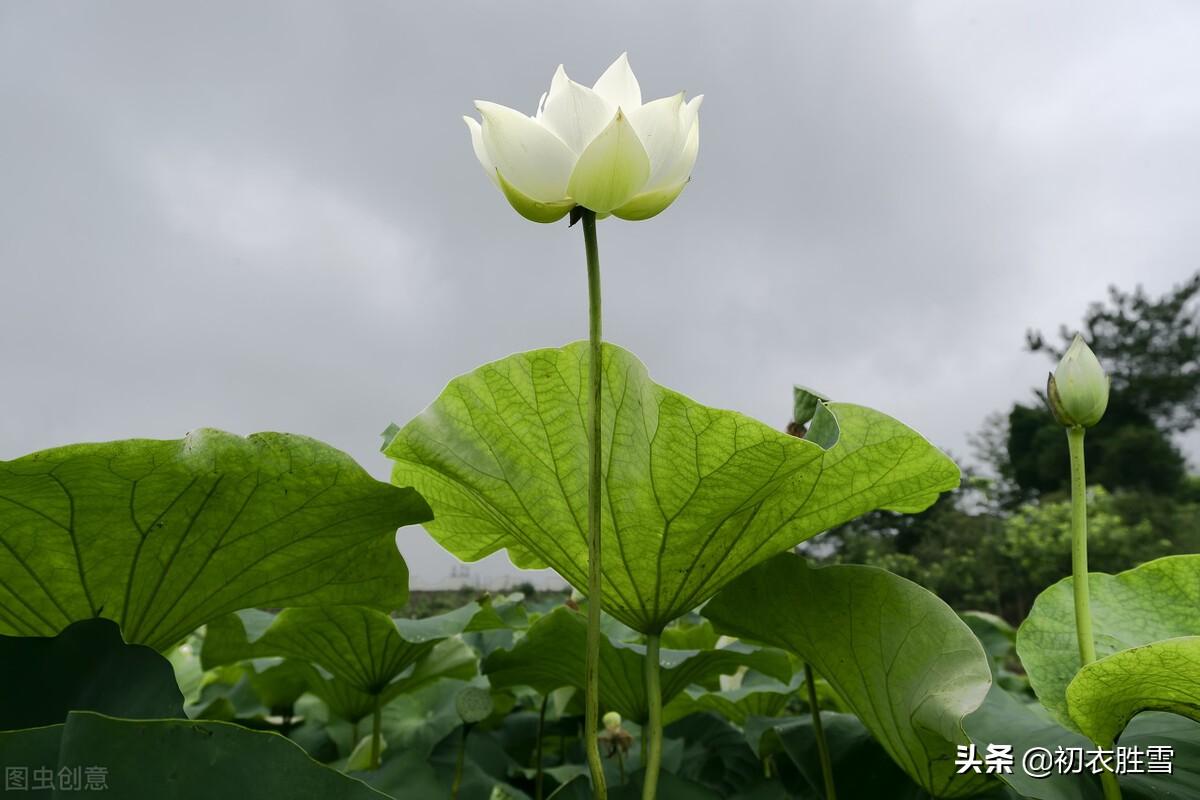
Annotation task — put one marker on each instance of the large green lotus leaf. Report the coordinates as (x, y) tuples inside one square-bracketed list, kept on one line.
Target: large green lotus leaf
[(181, 759), (1157, 600), (1161, 676), (28, 749), (899, 656), (1164, 730), (692, 497), (1004, 719), (163, 536), (365, 648), (89, 667), (551, 655)]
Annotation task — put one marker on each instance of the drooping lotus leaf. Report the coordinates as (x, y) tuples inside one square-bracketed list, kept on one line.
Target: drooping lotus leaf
[(163, 536), (1004, 719), (1157, 600), (900, 657), (366, 649), (1160, 676), (693, 496), (449, 659), (551, 655), (766, 698), (1182, 736), (88, 666), (176, 758)]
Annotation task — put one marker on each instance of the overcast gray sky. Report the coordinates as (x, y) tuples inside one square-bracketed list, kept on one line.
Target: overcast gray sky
[(268, 216)]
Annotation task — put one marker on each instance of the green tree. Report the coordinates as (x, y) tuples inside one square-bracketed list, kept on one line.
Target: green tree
[(975, 555)]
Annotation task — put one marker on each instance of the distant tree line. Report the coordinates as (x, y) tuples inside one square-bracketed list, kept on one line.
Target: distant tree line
[(996, 543)]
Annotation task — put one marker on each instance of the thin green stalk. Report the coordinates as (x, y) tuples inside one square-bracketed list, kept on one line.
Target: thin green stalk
[(810, 680), (1108, 780), (592, 668), (458, 763), (652, 734), (376, 734), (541, 731), (1079, 562), (1079, 574)]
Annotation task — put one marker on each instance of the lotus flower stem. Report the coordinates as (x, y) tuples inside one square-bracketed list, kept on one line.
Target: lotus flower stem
[(810, 680), (653, 734), (459, 761), (1079, 561), (539, 752), (376, 734), (1079, 575), (592, 666)]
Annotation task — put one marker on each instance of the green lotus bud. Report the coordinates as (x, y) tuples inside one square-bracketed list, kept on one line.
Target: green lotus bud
[(612, 722), (474, 704), (1078, 388)]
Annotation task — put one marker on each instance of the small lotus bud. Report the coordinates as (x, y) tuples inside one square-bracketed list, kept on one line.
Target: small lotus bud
[(474, 704), (1078, 388), (612, 722)]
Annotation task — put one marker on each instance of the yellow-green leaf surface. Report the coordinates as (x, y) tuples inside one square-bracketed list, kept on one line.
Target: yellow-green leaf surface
[(1162, 676), (900, 657), (1157, 600), (692, 496), (163, 536), (550, 656)]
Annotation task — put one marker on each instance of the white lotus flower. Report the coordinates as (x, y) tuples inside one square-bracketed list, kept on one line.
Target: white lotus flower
[(599, 148)]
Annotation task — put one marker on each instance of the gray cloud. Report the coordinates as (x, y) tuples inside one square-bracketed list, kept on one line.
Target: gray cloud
[(269, 217)]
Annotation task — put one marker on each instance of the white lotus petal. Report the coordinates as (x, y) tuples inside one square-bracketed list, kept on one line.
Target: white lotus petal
[(679, 170), (575, 113), (689, 114), (659, 127), (485, 160), (612, 169), (531, 158), (619, 86)]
